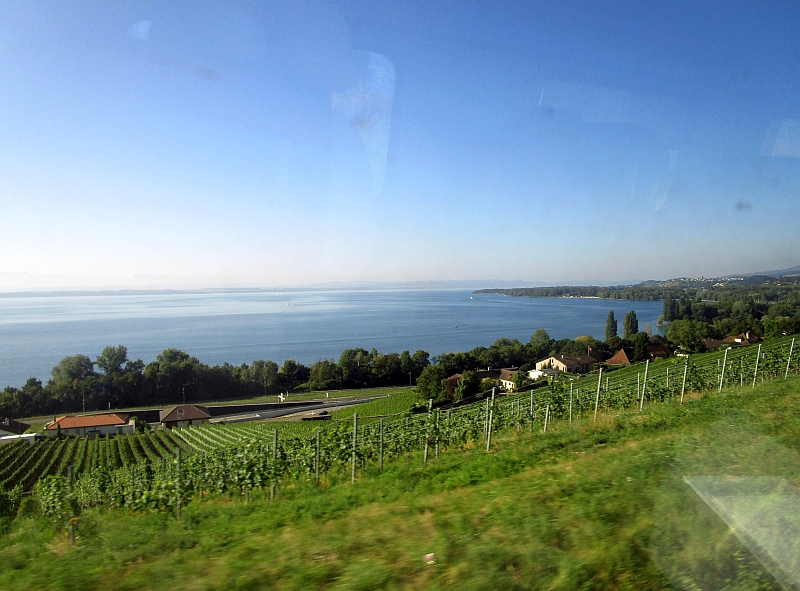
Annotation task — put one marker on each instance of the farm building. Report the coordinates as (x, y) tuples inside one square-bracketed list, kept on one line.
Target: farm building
[(184, 415), (12, 427), (568, 364), (507, 378), (112, 423)]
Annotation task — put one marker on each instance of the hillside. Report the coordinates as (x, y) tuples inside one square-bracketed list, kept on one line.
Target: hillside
[(595, 505)]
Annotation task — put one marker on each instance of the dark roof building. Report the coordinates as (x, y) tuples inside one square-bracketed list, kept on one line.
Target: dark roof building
[(659, 352), (183, 415), (746, 338), (713, 344), (12, 427), (568, 363)]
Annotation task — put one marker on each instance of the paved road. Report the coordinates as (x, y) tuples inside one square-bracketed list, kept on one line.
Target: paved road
[(281, 412)]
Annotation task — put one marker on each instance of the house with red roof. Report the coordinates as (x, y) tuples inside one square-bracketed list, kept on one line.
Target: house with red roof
[(111, 423)]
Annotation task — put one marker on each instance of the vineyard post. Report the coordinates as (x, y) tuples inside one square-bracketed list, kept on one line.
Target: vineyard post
[(570, 402), (685, 372), (546, 416), (489, 431), (70, 523), (533, 412), (355, 443), (644, 384), (427, 431), (274, 465), (789, 362), (755, 371), (316, 458), (178, 454), (486, 418), (638, 385), (381, 443), (597, 398), (436, 432), (606, 383), (724, 365)]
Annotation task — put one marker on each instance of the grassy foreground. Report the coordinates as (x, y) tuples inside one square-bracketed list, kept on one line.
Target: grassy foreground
[(582, 507)]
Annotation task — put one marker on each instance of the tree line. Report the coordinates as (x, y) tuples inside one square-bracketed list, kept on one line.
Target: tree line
[(112, 380), (760, 289)]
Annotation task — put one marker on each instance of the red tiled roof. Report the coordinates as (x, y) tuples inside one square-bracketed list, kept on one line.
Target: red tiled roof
[(621, 357), (102, 420)]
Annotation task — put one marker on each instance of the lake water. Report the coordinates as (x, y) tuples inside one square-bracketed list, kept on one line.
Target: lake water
[(37, 332)]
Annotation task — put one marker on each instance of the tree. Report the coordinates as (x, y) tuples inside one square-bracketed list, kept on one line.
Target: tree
[(487, 384), (431, 383), (121, 379), (323, 375), (172, 375), (292, 374), (74, 380), (265, 374), (640, 343), (110, 361), (670, 309), (539, 345), (611, 326), (687, 334), (630, 325), (468, 385)]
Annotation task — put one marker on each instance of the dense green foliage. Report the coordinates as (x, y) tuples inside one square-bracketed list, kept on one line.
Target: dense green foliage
[(140, 471), (583, 506), (176, 376), (718, 308), (611, 326), (630, 325)]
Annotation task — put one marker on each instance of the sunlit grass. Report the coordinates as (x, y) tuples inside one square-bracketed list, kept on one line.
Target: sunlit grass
[(593, 506)]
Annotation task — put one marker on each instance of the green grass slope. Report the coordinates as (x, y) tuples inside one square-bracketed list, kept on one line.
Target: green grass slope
[(584, 506)]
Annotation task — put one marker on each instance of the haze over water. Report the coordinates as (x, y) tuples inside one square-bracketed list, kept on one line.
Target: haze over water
[(37, 332)]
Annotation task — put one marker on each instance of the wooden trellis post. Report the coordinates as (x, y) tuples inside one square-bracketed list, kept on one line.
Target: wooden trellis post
[(789, 361), (381, 443), (546, 416), (685, 372), (355, 443), (644, 384), (489, 431), (570, 402), (755, 371), (597, 398), (724, 365), (316, 458), (427, 431), (274, 462), (533, 412)]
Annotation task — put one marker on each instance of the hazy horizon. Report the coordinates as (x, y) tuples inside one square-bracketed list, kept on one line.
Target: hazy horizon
[(252, 144)]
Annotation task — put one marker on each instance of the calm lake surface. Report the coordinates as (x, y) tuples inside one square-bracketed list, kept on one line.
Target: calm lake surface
[(37, 332)]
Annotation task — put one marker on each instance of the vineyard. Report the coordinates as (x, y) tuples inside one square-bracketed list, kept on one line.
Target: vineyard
[(163, 469)]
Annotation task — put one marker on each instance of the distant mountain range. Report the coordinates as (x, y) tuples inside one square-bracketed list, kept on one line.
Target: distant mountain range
[(780, 273)]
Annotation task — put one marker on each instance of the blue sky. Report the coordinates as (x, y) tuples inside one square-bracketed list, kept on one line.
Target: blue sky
[(252, 143)]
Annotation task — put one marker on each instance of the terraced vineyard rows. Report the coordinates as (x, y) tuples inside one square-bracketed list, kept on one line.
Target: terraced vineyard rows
[(237, 457)]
